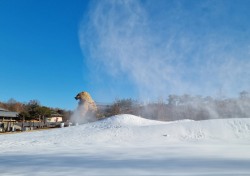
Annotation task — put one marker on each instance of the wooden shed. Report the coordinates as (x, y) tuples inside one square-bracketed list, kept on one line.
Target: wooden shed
[(7, 119)]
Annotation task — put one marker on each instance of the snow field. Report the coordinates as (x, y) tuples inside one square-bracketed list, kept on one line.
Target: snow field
[(131, 145)]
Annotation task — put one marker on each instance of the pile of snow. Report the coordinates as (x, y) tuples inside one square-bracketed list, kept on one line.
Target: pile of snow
[(129, 127), (131, 145), (126, 120)]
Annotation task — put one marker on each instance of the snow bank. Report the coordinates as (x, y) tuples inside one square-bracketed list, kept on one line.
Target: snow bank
[(126, 120), (133, 130), (133, 127), (131, 145)]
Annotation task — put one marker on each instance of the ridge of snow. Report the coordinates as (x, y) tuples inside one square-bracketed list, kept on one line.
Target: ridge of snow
[(126, 120)]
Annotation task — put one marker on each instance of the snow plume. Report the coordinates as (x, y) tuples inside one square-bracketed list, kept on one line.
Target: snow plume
[(169, 47), (82, 115)]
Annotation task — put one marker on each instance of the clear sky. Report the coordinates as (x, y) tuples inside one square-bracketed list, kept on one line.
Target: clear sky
[(40, 57), (52, 49)]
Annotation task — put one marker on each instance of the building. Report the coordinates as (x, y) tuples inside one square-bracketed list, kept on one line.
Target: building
[(54, 118), (6, 115), (7, 120)]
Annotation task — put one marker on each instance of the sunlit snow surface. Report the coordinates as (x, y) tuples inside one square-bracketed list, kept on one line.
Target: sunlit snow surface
[(130, 145)]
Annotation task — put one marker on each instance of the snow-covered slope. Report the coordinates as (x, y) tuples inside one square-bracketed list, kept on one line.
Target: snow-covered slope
[(125, 128), (126, 120), (127, 144)]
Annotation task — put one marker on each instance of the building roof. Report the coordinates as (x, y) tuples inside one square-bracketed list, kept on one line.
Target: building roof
[(56, 115), (2, 109), (7, 114)]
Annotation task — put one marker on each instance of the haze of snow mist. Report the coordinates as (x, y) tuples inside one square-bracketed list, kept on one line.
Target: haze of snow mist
[(168, 47), (81, 115)]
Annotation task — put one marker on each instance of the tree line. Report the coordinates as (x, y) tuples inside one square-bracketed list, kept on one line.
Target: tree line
[(33, 110), (178, 107), (175, 107)]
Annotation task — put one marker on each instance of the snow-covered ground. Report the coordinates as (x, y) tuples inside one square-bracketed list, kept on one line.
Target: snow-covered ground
[(130, 145)]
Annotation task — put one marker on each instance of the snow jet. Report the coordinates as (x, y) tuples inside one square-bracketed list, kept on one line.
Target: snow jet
[(167, 47), (86, 110)]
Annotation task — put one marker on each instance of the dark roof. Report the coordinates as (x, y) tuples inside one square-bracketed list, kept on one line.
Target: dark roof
[(5, 113)]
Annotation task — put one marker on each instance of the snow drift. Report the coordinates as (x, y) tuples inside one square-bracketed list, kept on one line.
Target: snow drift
[(130, 145)]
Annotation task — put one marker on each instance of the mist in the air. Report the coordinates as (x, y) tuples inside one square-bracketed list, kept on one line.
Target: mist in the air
[(169, 47), (82, 114)]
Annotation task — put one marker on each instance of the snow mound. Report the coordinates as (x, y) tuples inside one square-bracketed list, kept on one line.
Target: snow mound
[(126, 120), (129, 127), (213, 129)]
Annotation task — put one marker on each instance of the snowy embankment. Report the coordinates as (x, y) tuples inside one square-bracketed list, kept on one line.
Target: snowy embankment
[(130, 145)]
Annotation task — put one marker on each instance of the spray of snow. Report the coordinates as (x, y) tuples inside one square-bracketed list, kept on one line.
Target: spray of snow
[(81, 115), (166, 47)]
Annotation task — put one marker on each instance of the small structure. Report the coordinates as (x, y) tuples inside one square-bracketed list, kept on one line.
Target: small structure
[(6, 115), (54, 118), (7, 120)]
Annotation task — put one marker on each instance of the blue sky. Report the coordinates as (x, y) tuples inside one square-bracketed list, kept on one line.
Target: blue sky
[(51, 50), (40, 56)]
